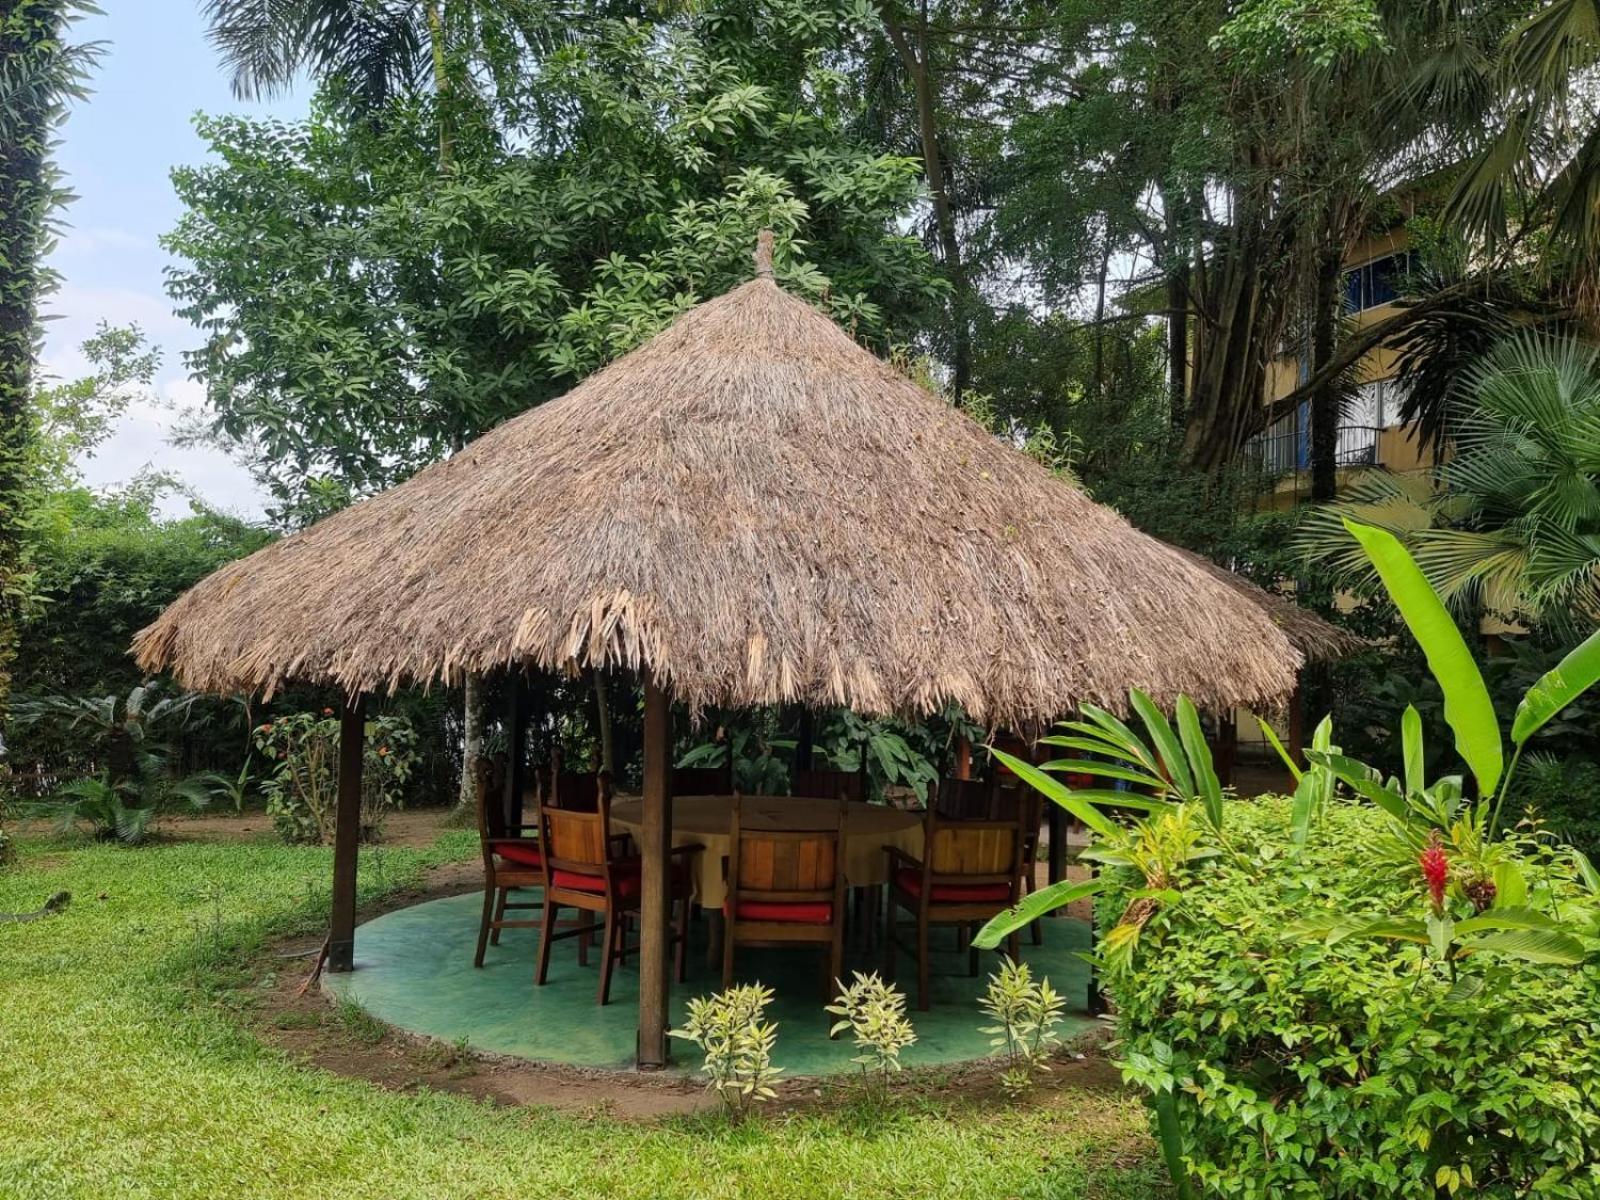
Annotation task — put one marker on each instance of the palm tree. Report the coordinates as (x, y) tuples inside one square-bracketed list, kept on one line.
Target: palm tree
[(378, 49), (1540, 143), (1512, 520), (375, 51)]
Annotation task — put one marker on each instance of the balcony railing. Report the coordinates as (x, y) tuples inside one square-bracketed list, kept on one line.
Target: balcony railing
[(1286, 446)]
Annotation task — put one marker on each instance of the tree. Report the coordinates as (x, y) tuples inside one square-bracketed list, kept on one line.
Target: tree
[(40, 72), (365, 316)]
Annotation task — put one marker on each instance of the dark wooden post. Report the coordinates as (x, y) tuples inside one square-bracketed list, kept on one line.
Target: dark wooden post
[(804, 743), (517, 707), (347, 834), (1226, 751), (963, 767), (1297, 726), (655, 842)]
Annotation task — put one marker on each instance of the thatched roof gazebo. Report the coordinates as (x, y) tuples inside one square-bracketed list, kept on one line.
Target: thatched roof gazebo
[(749, 509)]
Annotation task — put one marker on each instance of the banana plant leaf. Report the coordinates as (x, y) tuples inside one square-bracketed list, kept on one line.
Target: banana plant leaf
[(1531, 945), (1032, 907), (1058, 792), (1467, 708), (1166, 742), (1559, 687)]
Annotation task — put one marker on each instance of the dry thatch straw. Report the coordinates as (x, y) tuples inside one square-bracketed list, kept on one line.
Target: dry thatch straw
[(759, 511), (1317, 639)]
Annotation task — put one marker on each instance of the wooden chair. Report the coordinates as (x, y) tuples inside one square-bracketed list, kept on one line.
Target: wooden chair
[(512, 858), (703, 781), (588, 868), (847, 785), (786, 887), (970, 871)]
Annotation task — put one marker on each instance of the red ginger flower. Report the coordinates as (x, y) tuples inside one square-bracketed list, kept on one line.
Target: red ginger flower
[(1435, 869)]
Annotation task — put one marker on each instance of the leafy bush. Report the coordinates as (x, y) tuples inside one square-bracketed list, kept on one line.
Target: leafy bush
[(302, 791), (1026, 1012), (1318, 1069), (737, 1042), (125, 746), (875, 1013), (1563, 796)]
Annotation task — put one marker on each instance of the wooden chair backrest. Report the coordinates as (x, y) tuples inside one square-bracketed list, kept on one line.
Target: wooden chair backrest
[(981, 851), (702, 781), (578, 791), (575, 840), (488, 787), (851, 785), (785, 865)]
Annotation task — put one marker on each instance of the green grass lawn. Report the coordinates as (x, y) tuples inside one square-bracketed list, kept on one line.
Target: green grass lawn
[(125, 1071)]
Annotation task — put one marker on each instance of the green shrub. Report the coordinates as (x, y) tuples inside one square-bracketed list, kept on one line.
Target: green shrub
[(875, 1013), (1351, 1068), (1026, 1012), (303, 789), (1563, 795), (731, 1030)]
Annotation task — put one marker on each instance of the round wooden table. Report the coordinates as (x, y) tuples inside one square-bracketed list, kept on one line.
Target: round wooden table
[(704, 820)]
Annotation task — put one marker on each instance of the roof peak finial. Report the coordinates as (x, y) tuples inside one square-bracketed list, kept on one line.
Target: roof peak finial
[(764, 254)]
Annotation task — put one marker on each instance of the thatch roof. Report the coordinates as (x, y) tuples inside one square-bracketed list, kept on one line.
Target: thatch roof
[(759, 511), (1317, 638)]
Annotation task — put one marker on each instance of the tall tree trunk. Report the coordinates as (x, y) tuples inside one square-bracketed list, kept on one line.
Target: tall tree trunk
[(1178, 343), (471, 741), (1325, 400), (915, 60), (1099, 324), (441, 84)]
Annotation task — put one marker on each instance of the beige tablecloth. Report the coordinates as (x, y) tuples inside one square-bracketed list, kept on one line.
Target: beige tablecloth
[(704, 820)]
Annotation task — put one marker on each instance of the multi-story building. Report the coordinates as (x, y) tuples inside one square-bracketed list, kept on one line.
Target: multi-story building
[(1370, 433)]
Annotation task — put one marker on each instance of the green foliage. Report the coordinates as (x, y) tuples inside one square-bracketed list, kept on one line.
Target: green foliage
[(41, 71), (624, 179), (303, 789), (874, 1013), (1511, 522), (1025, 1012), (1265, 32), (901, 754), (127, 744), (1561, 795), (730, 1029), (1467, 707), (1351, 1067)]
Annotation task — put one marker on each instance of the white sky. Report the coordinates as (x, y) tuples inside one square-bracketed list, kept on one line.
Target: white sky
[(117, 148)]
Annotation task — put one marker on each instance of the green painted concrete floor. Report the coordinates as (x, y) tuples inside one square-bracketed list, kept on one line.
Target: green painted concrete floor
[(414, 970)]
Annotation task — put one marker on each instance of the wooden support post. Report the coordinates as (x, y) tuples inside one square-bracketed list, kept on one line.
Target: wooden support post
[(1226, 752), (655, 903), (1056, 822), (347, 835), (1297, 726), (804, 741), (517, 707), (963, 767)]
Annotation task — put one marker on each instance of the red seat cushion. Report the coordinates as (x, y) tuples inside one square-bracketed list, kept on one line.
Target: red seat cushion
[(627, 874), (523, 852), (796, 912), (909, 879)]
